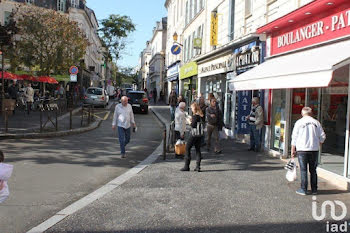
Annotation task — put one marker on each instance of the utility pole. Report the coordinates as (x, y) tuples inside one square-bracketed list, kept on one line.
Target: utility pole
[(2, 76)]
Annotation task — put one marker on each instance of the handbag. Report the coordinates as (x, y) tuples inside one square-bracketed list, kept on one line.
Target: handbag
[(291, 174), (198, 131)]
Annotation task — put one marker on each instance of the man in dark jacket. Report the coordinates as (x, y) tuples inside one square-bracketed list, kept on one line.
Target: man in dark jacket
[(214, 123), (172, 103)]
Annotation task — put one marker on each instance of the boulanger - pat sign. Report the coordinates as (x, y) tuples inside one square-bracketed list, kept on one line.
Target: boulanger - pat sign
[(188, 70)]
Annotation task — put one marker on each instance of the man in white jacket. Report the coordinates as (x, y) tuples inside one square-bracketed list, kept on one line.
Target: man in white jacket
[(307, 137), (124, 118)]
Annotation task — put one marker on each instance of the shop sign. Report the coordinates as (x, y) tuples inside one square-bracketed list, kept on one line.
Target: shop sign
[(217, 66), (197, 43), (188, 70), (248, 59), (318, 31), (244, 105), (214, 29), (173, 72)]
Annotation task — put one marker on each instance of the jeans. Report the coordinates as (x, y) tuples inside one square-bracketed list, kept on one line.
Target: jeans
[(254, 138), (213, 130), (172, 112), (305, 158), (124, 138), (196, 142)]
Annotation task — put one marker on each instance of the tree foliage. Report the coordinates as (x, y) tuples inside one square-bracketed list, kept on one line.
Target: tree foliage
[(114, 31), (48, 40), (127, 75)]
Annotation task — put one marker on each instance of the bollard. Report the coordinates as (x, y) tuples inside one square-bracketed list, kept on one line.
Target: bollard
[(89, 116), (70, 119), (6, 121), (56, 119), (164, 144), (41, 120), (82, 116)]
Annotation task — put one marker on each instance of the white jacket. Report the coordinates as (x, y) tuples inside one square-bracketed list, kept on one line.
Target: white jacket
[(308, 134), (123, 116), (180, 121)]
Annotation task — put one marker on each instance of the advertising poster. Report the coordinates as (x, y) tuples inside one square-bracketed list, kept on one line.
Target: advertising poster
[(243, 110)]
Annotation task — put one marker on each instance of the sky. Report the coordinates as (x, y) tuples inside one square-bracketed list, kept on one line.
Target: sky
[(143, 13)]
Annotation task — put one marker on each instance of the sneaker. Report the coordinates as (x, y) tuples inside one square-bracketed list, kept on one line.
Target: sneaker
[(218, 152), (314, 193), (123, 156), (301, 192)]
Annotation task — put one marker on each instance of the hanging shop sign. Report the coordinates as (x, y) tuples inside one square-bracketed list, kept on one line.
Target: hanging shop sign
[(188, 70), (247, 59), (197, 43), (173, 72), (244, 105), (318, 29), (220, 65), (214, 29)]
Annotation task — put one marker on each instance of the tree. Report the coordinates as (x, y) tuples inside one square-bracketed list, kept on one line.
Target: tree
[(127, 75), (48, 40), (114, 31)]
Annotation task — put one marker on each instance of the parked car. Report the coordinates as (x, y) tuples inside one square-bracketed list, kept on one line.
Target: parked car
[(138, 100), (96, 96)]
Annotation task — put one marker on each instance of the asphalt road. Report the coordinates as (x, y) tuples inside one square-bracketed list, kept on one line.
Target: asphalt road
[(50, 174)]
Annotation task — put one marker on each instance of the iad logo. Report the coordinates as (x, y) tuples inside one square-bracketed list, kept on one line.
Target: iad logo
[(333, 227)]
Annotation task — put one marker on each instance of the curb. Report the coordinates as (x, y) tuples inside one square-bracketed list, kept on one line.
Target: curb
[(93, 126), (99, 193)]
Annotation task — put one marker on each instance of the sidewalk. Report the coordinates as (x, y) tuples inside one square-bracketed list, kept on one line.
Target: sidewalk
[(238, 191)]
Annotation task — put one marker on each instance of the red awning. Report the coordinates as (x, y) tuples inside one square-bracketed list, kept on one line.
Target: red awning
[(10, 76), (47, 79), (315, 9)]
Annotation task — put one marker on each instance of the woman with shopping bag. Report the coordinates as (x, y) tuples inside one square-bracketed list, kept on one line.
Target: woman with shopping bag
[(180, 128), (197, 130)]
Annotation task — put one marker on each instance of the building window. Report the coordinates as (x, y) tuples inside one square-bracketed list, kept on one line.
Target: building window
[(248, 8), (185, 50), (61, 5), (178, 9), (201, 4), (30, 1), (232, 20), (74, 3), (187, 14), (195, 10), (191, 10)]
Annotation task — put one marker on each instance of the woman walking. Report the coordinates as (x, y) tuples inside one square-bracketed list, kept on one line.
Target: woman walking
[(195, 138)]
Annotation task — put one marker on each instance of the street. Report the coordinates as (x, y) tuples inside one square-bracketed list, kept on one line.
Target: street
[(49, 174)]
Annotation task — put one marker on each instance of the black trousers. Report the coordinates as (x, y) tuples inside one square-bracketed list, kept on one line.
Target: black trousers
[(196, 142)]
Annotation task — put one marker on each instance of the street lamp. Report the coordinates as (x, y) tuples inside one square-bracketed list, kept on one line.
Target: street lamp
[(175, 37)]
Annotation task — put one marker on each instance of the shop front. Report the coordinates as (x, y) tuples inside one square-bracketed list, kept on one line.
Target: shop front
[(188, 81), (173, 78), (212, 76), (308, 62), (238, 103)]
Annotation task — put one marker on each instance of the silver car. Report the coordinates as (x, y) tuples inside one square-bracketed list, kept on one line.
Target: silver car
[(96, 96)]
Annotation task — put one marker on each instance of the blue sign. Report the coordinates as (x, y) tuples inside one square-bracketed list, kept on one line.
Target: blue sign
[(244, 106), (176, 49)]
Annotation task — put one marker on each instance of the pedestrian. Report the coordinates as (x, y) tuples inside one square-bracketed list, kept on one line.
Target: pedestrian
[(61, 91), (203, 107), (123, 118), (180, 99), (180, 123), (307, 137), (13, 90), (155, 95), (161, 95), (256, 122), (29, 94), (194, 138), (214, 123), (172, 104), (5, 173)]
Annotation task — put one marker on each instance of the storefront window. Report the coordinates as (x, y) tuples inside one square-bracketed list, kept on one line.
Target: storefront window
[(333, 119), (278, 120)]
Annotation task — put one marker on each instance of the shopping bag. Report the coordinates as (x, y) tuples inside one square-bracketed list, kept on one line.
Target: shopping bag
[(5, 171), (222, 134), (290, 165), (291, 174), (180, 147)]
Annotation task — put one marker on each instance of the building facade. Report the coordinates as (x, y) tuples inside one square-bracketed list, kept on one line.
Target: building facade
[(157, 76), (92, 71)]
